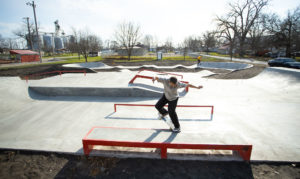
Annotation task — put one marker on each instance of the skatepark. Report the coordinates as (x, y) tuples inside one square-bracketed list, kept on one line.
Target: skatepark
[(56, 113)]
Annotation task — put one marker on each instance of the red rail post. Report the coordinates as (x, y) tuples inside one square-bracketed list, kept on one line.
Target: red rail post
[(163, 152), (245, 153), (84, 73)]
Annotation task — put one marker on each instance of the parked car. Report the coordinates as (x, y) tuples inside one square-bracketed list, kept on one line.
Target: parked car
[(280, 62), (271, 54), (295, 54), (293, 65)]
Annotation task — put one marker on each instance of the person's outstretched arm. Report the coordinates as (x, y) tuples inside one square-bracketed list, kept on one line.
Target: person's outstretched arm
[(196, 87), (159, 79), (155, 78)]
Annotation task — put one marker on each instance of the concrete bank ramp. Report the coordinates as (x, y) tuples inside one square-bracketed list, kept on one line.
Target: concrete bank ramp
[(90, 65), (281, 79), (278, 73), (224, 65), (95, 91)]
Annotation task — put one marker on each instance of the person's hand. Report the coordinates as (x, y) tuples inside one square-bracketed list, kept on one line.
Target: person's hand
[(199, 87)]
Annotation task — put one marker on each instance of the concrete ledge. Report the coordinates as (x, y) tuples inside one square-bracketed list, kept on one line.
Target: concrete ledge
[(95, 91)]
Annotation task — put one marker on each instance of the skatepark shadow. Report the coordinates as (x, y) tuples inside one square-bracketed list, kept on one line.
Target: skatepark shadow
[(158, 131), (36, 96), (146, 86), (110, 116)]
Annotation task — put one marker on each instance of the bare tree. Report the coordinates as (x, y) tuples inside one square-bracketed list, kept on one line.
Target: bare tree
[(226, 31), (209, 40), (127, 35), (285, 32), (256, 35), (193, 43), (241, 17), (185, 48), (73, 44), (3, 43), (27, 31), (88, 43), (168, 46), (82, 42), (148, 41)]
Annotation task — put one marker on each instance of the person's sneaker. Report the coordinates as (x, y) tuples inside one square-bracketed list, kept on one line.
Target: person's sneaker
[(160, 116), (169, 122), (176, 130)]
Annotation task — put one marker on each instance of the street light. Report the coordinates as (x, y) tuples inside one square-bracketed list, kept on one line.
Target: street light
[(36, 29)]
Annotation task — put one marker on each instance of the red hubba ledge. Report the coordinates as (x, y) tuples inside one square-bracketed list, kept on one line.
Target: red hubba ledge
[(243, 150)]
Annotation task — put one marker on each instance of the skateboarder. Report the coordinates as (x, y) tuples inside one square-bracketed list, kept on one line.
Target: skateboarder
[(199, 60), (170, 96)]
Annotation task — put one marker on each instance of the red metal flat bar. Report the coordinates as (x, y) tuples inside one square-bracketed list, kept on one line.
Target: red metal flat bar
[(243, 150), (161, 72)]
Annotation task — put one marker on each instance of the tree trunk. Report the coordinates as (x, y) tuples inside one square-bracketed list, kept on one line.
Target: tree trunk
[(289, 42), (85, 56), (230, 51), (241, 49), (129, 54)]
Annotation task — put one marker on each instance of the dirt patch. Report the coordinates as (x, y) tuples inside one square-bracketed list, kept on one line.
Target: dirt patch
[(22, 72), (18, 164), (240, 74)]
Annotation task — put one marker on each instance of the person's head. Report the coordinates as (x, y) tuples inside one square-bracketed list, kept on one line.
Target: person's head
[(173, 81)]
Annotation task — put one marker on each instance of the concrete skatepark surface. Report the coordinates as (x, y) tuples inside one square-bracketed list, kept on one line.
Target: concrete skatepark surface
[(262, 111), (207, 65)]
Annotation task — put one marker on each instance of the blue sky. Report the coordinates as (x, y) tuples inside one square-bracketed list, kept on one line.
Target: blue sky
[(163, 19)]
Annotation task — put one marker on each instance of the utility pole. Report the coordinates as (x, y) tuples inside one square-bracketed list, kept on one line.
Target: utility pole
[(29, 33), (36, 28)]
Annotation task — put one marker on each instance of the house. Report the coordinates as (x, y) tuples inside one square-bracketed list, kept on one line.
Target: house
[(25, 55), (225, 49)]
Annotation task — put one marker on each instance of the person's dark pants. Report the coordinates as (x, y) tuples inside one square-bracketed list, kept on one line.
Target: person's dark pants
[(171, 109)]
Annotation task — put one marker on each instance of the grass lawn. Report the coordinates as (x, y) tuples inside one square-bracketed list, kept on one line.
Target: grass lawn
[(65, 61), (217, 54), (116, 59), (60, 55)]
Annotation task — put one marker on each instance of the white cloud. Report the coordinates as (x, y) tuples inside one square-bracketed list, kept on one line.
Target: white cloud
[(6, 29)]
